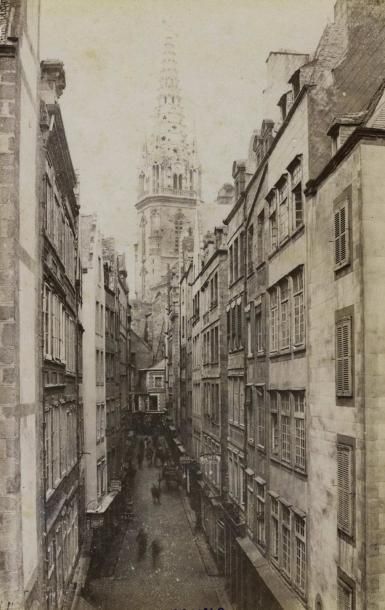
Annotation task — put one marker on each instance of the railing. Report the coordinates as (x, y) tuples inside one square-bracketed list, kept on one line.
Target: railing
[(163, 190)]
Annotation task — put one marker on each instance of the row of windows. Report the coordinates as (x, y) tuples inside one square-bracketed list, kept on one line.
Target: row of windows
[(235, 327), (287, 428), (111, 366), (287, 315), (196, 400), (110, 329), (237, 258), (99, 318), (236, 391), (62, 551), (101, 477), (59, 331), (58, 229), (286, 212), (258, 256), (210, 346), (112, 415), (236, 475), (211, 402), (100, 422), (60, 443), (210, 294), (99, 367), (210, 461)]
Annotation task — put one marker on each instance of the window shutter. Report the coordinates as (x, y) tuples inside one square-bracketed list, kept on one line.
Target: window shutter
[(344, 597), (344, 357), (345, 488), (341, 236)]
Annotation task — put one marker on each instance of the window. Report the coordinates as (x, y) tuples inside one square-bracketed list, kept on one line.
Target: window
[(158, 381), (260, 418), (341, 236), (260, 240), (47, 333), (274, 521), (300, 552), (283, 203), (284, 315), (231, 265), (228, 327), (274, 424), (285, 427), (236, 262), (273, 231), (299, 419), (345, 599), (344, 385), (298, 306), (233, 328), (250, 244), (239, 326), (297, 206), (250, 503), (259, 331), (345, 486), (286, 538), (260, 504), (274, 320)]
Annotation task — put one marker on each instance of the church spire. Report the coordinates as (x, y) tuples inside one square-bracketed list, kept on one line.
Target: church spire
[(169, 162)]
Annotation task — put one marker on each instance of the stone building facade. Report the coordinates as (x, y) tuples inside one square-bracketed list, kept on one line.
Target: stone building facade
[(61, 343), (302, 524), (21, 417)]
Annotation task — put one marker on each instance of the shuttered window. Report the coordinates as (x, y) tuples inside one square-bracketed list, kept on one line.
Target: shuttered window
[(345, 485), (344, 596), (341, 236), (344, 386)]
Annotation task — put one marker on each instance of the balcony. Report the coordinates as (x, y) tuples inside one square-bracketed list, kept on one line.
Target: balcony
[(163, 190)]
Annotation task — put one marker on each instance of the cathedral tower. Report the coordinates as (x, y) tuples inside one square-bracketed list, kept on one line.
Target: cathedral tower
[(169, 185)]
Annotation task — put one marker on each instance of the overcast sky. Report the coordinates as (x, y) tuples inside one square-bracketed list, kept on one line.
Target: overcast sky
[(111, 51)]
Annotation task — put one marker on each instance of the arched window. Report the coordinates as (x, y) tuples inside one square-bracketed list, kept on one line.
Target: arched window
[(175, 181), (180, 181), (191, 180), (141, 183)]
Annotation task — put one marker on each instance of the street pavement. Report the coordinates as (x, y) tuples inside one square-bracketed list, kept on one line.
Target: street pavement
[(180, 580)]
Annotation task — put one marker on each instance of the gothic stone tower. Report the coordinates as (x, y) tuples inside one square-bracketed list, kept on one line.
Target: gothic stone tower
[(169, 185)]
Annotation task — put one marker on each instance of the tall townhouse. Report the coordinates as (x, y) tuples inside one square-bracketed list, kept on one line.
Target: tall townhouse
[(213, 456), (124, 350), (235, 507), (186, 358), (345, 222), (112, 363), (61, 336), (311, 483), (98, 499), (21, 413), (197, 363)]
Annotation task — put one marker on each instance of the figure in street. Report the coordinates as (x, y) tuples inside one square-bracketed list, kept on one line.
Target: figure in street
[(155, 552), (141, 540), (155, 492), (149, 455)]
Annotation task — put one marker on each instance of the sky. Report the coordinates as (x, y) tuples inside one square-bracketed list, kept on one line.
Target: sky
[(111, 51)]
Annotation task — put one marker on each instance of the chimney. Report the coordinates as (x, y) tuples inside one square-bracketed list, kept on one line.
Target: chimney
[(53, 80)]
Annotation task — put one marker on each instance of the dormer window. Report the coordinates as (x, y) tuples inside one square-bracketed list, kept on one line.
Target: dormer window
[(285, 103)]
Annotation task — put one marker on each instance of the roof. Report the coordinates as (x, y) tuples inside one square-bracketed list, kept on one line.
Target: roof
[(158, 366)]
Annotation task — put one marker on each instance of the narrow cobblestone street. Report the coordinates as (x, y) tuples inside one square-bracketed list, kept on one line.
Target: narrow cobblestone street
[(181, 579)]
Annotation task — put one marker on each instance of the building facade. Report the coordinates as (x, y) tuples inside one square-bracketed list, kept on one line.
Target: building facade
[(22, 489), (61, 340)]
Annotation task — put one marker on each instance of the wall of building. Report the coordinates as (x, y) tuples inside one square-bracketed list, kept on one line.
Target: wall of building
[(19, 279)]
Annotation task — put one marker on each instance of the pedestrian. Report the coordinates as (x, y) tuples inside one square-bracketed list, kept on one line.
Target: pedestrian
[(149, 455), (155, 551), (155, 492), (141, 540), (140, 458)]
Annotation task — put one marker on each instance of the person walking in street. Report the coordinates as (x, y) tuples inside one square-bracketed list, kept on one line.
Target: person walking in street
[(149, 455), (140, 458), (141, 540), (155, 492), (155, 552)]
